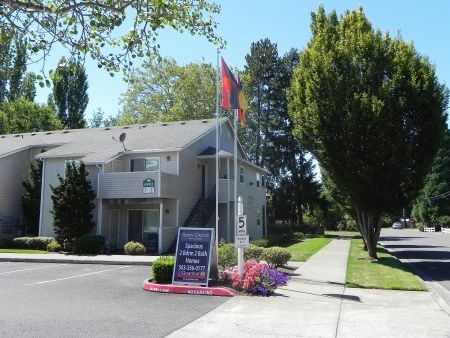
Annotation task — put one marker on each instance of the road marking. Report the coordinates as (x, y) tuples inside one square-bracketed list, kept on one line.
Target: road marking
[(78, 276), (40, 267)]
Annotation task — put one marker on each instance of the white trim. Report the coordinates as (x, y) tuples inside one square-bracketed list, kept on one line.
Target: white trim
[(41, 207)]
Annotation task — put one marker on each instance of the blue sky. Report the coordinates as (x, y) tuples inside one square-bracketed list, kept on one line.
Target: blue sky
[(286, 23)]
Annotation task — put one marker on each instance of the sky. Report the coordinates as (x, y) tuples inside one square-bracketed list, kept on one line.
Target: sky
[(286, 23)]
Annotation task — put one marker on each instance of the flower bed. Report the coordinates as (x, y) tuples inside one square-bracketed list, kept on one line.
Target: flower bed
[(259, 278)]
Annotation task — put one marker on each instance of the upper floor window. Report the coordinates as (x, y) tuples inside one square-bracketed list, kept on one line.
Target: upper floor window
[(145, 164), (241, 174), (258, 179), (263, 181)]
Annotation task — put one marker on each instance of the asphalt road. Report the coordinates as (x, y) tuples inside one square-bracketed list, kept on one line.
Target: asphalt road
[(426, 254), (86, 300)]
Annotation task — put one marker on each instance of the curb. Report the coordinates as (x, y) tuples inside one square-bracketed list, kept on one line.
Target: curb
[(187, 289), (74, 261)]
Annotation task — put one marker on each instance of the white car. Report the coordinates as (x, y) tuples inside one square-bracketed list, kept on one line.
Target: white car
[(397, 225)]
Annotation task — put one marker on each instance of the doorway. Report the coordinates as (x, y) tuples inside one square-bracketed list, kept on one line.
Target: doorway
[(143, 227)]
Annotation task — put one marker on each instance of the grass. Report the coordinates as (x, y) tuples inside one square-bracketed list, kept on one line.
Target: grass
[(387, 273), (23, 251), (303, 250)]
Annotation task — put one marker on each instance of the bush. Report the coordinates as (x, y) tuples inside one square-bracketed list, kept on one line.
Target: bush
[(6, 242), (298, 236), (279, 239), (54, 246), (227, 255), (420, 226), (276, 256), (253, 252), (263, 243), (134, 249), (88, 244), (163, 269), (20, 242), (39, 243)]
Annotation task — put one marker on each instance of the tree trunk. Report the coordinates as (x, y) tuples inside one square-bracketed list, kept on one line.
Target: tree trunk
[(369, 227)]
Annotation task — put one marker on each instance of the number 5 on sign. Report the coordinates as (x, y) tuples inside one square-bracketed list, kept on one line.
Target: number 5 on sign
[(241, 228)]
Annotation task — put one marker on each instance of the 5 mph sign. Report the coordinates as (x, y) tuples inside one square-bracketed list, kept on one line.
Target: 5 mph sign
[(241, 238)]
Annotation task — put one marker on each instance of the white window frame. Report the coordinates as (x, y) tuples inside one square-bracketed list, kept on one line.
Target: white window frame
[(145, 160), (241, 174)]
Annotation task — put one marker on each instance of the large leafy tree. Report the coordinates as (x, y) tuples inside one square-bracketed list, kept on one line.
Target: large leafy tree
[(372, 112), (268, 137), (164, 91), (73, 203), (31, 199), (70, 93), (109, 31), (22, 116), (433, 202)]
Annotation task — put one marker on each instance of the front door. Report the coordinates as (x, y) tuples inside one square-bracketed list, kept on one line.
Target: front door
[(143, 226)]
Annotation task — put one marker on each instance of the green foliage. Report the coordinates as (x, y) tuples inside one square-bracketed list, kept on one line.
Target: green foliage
[(31, 199), (367, 106), (303, 250), (227, 255), (87, 28), (134, 249), (89, 244), (54, 246), (162, 269), (263, 242), (7, 242), (21, 242), (70, 93), (253, 252), (162, 90), (298, 236), (276, 256), (444, 221), (73, 203), (39, 243)]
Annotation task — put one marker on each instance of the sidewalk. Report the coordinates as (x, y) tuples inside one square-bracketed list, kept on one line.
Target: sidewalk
[(315, 303)]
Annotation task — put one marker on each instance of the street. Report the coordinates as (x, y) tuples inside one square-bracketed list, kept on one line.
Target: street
[(87, 300)]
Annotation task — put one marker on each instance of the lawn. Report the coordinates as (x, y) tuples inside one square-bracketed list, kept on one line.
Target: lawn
[(387, 273), (23, 251), (303, 250)]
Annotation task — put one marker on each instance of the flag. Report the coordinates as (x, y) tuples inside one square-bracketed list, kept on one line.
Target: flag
[(232, 94)]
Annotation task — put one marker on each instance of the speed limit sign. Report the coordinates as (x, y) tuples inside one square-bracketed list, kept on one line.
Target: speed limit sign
[(241, 225)]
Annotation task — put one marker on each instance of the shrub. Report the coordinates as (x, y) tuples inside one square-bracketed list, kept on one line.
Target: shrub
[(227, 255), (54, 246), (39, 243), (420, 226), (298, 236), (6, 242), (163, 269), (279, 239), (263, 243), (88, 244), (20, 242), (276, 256), (253, 252), (134, 249)]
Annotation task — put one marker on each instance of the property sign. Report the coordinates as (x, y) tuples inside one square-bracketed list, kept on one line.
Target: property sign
[(193, 256), (148, 186), (241, 241)]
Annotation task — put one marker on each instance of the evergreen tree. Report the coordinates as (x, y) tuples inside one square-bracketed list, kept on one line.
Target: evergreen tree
[(70, 93), (73, 203), (31, 199)]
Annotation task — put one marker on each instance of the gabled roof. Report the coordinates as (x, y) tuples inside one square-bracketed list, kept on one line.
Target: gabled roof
[(97, 145)]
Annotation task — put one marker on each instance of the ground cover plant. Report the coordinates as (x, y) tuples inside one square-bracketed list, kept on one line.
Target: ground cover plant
[(385, 273)]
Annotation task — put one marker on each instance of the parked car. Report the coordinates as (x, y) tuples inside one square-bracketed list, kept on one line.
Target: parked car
[(397, 225)]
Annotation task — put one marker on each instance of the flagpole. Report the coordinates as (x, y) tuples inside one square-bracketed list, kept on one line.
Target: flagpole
[(217, 162)]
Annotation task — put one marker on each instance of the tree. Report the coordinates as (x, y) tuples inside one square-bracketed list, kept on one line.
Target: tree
[(372, 112), (96, 28), (268, 138), (99, 120), (70, 93), (432, 203), (73, 203), (22, 116), (164, 91), (31, 199)]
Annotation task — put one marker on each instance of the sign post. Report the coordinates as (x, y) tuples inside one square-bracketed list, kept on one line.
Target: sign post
[(193, 256), (241, 238)]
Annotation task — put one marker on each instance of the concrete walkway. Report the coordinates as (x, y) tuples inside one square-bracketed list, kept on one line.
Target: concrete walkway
[(315, 303)]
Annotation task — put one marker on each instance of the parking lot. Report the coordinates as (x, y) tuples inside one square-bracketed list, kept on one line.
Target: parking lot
[(88, 300)]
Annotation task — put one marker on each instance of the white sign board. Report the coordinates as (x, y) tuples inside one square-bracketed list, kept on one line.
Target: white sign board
[(241, 241), (241, 225)]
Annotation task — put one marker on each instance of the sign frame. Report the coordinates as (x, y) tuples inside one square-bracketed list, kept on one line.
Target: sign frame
[(193, 256), (241, 225)]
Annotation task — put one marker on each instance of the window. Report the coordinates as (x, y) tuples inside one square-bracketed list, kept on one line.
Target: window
[(258, 217), (241, 174), (263, 181), (144, 164), (258, 178)]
